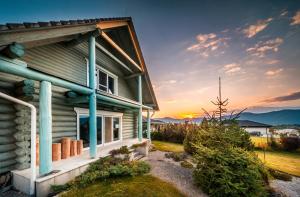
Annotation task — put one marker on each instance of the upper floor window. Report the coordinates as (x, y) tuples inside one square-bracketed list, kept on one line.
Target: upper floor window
[(105, 80)]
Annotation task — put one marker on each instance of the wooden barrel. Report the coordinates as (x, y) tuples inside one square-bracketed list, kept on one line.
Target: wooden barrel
[(65, 148), (79, 147), (37, 150), (73, 148), (56, 151)]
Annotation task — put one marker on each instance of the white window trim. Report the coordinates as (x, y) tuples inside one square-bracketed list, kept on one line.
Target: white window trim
[(115, 77), (102, 113)]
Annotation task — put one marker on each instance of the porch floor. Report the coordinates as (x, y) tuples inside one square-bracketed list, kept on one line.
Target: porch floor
[(73, 166)]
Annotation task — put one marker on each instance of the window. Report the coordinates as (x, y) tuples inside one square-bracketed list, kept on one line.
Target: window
[(108, 126), (84, 130), (105, 80)]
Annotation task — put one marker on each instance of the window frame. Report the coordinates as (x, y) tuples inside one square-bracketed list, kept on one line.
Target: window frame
[(108, 73), (102, 114)]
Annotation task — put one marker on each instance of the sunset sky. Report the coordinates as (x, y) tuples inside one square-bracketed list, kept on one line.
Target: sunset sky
[(254, 46)]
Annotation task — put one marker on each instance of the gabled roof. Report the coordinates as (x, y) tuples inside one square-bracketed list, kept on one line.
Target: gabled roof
[(41, 33), (248, 123)]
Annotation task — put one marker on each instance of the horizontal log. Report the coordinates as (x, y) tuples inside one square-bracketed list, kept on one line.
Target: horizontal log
[(22, 166), (7, 124), (64, 134), (7, 155), (64, 118), (8, 131), (22, 152), (7, 147), (4, 108), (23, 144), (64, 124), (22, 159), (63, 129), (7, 139), (7, 163), (7, 169), (6, 85), (7, 117)]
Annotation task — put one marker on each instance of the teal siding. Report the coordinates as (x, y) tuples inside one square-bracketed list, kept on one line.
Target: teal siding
[(129, 125), (57, 60)]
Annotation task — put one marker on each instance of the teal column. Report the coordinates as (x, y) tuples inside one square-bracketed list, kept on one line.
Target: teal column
[(140, 114), (148, 125), (45, 128), (92, 98)]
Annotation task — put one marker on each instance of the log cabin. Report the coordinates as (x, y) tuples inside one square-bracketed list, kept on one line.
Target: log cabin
[(82, 80)]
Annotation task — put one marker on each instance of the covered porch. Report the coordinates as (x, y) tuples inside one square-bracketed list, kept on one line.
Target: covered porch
[(67, 169)]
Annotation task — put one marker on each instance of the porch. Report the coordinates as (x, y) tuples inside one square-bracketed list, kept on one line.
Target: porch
[(65, 170)]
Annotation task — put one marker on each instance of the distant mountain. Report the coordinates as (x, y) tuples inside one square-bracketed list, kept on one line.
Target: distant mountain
[(281, 117)]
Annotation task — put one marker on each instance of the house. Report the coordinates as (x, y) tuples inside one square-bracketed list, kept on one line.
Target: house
[(81, 79), (255, 128), (287, 132), (154, 124)]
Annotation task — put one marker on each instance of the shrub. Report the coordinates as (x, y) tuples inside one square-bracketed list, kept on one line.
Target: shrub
[(215, 135), (280, 175), (290, 143), (186, 164), (229, 172), (105, 168), (172, 132), (176, 156), (122, 150)]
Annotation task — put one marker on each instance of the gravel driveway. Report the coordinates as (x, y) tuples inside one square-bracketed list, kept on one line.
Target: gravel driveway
[(289, 188), (170, 171)]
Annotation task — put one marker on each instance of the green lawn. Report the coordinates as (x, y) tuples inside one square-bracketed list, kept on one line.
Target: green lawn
[(168, 146), (282, 161), (139, 186)]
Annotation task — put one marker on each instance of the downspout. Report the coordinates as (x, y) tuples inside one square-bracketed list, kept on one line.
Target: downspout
[(33, 138)]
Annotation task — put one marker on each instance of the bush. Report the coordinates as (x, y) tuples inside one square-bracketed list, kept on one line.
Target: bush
[(230, 172), (172, 132), (215, 135), (290, 143), (280, 175), (122, 150), (186, 164), (105, 168)]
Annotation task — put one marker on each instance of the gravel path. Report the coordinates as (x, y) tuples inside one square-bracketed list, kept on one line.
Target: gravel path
[(289, 188), (170, 171)]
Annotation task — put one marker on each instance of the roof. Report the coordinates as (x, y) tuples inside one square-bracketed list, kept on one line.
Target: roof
[(57, 31), (36, 25), (248, 123)]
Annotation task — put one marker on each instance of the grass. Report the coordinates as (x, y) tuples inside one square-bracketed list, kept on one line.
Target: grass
[(259, 141), (282, 161), (139, 186), (168, 146)]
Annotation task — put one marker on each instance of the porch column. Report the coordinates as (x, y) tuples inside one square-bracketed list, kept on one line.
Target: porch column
[(140, 100), (92, 98), (148, 125), (45, 128)]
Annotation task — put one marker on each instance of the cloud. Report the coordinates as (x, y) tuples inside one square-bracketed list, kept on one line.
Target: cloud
[(272, 61), (261, 48), (296, 19), (289, 97), (284, 13), (172, 81), (260, 25), (274, 72), (231, 68), (208, 44)]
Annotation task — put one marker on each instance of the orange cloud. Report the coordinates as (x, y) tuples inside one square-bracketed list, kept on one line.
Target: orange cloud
[(252, 30), (296, 19)]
